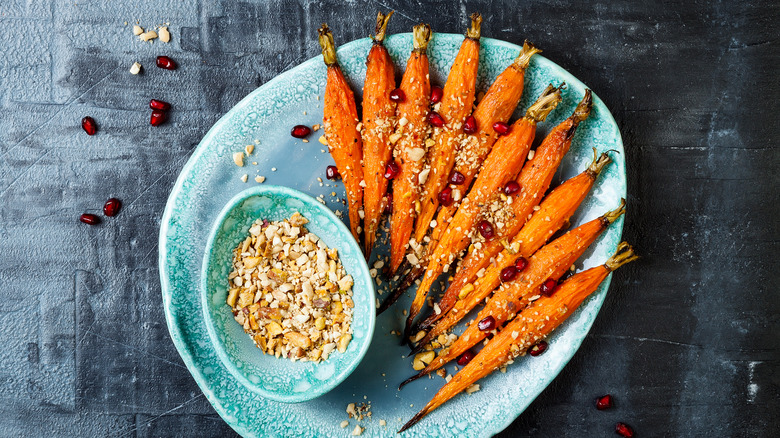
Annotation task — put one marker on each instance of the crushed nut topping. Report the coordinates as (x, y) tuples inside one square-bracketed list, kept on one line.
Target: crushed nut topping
[(290, 291)]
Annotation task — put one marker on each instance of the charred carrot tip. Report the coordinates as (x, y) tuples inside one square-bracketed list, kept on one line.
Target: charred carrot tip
[(327, 44), (528, 50), (411, 379), (417, 417), (550, 98), (421, 36), (476, 26), (381, 26), (624, 254), (616, 213)]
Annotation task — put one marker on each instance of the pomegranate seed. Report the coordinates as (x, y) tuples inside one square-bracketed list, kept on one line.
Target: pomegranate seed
[(300, 131), (445, 196), (538, 349), (508, 274), (436, 94), (166, 63), (488, 323), (604, 402), (89, 125), (470, 125), (456, 178), (548, 287), (501, 128), (389, 204), (521, 264), (486, 229), (158, 118), (397, 95), (624, 430), (111, 207), (89, 219), (465, 358), (159, 105), (511, 188), (435, 119), (332, 173), (392, 170)]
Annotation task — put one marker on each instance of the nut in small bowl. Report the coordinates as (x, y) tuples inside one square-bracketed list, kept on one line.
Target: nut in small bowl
[(290, 335)]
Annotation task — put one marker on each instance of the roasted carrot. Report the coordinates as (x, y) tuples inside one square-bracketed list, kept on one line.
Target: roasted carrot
[(534, 180), (340, 120), (456, 102), (497, 105), (536, 323), (411, 144), (549, 263), (553, 214), (501, 166), (378, 123)]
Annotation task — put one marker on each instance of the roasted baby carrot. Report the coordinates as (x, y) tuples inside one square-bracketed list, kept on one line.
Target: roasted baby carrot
[(534, 180), (553, 214), (378, 124), (456, 102), (548, 264), (497, 105), (411, 144), (501, 166), (340, 120), (534, 324)]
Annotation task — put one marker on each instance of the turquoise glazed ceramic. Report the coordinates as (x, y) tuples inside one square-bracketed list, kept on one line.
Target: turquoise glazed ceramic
[(210, 179), (278, 378)]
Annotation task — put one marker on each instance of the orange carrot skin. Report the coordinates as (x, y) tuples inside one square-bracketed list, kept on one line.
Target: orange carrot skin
[(554, 212), (520, 334), (416, 86), (508, 153), (344, 141), (552, 261), (378, 123), (534, 180), (457, 99)]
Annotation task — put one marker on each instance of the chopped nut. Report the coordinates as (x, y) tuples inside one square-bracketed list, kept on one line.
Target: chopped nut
[(147, 36), (238, 158), (323, 140), (344, 424), (382, 423), (165, 36), (244, 177), (357, 431), (473, 388), (137, 30), (135, 68), (416, 154), (249, 149), (344, 342), (259, 179)]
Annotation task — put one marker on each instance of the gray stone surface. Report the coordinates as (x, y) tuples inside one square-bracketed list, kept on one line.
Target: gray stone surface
[(687, 340)]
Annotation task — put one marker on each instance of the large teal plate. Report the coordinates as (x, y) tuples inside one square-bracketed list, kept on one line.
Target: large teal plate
[(210, 179)]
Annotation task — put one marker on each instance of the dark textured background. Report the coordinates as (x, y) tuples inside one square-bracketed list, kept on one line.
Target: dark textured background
[(687, 341)]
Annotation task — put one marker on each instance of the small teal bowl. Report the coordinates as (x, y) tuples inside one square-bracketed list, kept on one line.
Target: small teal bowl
[(281, 379)]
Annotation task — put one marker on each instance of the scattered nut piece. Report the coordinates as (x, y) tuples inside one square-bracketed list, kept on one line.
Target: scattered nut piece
[(165, 36), (148, 36), (344, 424), (135, 68), (137, 30), (473, 388), (382, 423), (249, 149), (357, 431), (259, 179), (323, 140), (238, 158)]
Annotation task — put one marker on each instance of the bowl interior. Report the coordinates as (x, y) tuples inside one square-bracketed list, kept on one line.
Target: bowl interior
[(281, 379)]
